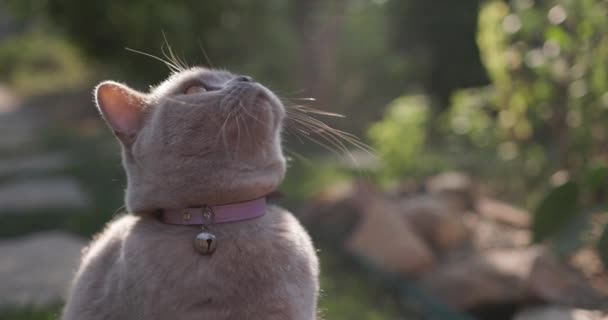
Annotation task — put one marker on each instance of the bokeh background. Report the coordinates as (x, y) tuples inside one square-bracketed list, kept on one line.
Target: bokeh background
[(476, 190)]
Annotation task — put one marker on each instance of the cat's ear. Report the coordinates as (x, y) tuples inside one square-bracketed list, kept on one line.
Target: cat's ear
[(122, 108)]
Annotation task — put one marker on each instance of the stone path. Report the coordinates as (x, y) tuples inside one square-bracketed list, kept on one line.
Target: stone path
[(31, 180), (37, 269), (34, 164), (43, 193)]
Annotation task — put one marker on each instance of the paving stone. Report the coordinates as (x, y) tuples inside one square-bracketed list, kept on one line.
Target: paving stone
[(37, 194), (37, 269), (34, 164)]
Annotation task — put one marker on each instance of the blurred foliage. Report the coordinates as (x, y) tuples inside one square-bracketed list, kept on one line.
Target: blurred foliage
[(441, 36), (543, 118), (307, 177), (556, 210), (104, 28), (400, 138), (347, 54), (37, 63), (551, 104)]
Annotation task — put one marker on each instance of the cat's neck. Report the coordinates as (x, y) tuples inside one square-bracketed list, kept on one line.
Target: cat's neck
[(150, 200)]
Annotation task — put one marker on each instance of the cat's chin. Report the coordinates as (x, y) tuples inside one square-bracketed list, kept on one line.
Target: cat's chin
[(203, 189)]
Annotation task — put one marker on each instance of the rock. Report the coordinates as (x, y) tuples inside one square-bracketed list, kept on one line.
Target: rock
[(503, 212), (387, 240), (36, 194), (34, 164), (511, 276), (431, 218), (559, 313), (587, 260), (37, 269), (17, 127), (332, 215), (554, 281), (490, 234), (8, 101), (493, 277), (456, 189)]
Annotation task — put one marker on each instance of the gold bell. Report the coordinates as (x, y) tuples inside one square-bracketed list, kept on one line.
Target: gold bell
[(205, 243)]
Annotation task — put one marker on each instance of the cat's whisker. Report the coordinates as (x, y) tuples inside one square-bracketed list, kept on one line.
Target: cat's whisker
[(308, 109), (242, 111), (254, 118), (323, 127), (171, 56), (334, 139), (295, 134), (335, 147), (205, 54), (329, 148), (170, 65), (300, 156), (117, 211), (238, 134), (222, 131), (167, 52)]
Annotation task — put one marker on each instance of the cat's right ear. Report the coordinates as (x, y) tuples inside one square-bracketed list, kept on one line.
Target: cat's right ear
[(122, 108)]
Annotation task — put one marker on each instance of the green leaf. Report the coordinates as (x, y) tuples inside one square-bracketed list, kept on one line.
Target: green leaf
[(560, 36), (597, 177), (602, 246), (555, 211)]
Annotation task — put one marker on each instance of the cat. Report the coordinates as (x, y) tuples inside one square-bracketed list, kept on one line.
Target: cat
[(203, 137)]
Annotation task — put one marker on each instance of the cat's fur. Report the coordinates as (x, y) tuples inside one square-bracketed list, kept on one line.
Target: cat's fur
[(182, 150)]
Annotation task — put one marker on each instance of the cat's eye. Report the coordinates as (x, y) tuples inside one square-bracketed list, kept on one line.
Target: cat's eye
[(194, 88)]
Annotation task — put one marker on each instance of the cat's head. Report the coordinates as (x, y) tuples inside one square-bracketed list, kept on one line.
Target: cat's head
[(200, 137)]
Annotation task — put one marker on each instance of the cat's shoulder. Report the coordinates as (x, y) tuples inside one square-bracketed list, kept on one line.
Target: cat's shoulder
[(113, 233), (286, 227), (283, 218)]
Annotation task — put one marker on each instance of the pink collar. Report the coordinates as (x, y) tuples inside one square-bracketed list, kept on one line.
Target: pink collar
[(208, 215)]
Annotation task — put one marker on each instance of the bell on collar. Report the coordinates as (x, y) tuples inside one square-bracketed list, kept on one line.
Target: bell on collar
[(205, 243)]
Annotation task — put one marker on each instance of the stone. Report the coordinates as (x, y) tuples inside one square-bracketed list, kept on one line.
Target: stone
[(511, 276), (555, 281), (491, 234), (432, 219), (503, 212), (42, 193), (492, 277), (37, 269), (388, 241), (39, 163), (8, 100), (553, 312), (17, 127), (455, 188)]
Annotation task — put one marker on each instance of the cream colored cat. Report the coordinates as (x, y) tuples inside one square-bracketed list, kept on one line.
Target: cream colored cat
[(202, 137)]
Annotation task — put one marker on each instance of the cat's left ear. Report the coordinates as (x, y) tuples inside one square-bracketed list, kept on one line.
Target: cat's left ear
[(122, 108)]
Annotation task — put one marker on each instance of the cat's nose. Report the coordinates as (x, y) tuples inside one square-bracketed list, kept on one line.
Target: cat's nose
[(243, 79)]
